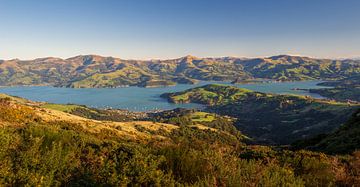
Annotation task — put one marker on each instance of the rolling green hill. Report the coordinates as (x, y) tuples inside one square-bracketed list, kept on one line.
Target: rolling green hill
[(97, 71), (269, 118)]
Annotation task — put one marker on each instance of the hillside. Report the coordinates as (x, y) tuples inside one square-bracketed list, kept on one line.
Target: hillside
[(17, 112), (347, 89), (43, 145), (97, 71), (269, 118), (344, 140)]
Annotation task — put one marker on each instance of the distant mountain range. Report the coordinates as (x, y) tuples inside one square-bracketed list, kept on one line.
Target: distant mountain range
[(97, 71)]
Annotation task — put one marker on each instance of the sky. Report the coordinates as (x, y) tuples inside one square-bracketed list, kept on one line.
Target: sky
[(162, 29)]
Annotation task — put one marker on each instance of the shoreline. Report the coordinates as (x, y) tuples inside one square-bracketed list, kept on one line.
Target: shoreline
[(125, 99), (249, 81)]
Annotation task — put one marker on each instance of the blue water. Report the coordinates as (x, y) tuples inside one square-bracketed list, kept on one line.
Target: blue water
[(140, 99)]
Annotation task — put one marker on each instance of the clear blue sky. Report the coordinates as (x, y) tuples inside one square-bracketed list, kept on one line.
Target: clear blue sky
[(147, 29)]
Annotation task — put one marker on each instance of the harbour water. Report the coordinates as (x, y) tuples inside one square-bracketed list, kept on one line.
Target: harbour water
[(142, 99)]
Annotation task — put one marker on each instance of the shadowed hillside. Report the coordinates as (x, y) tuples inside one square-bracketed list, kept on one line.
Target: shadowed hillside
[(344, 140)]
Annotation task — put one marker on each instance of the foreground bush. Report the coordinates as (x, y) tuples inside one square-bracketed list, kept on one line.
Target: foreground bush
[(38, 153)]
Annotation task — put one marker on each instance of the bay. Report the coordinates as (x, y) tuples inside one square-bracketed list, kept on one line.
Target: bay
[(142, 99)]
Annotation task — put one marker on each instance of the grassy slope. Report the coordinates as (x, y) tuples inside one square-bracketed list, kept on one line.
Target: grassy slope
[(55, 113), (269, 118), (210, 94), (202, 117), (126, 124), (46, 147), (200, 120), (61, 107), (124, 77), (97, 71)]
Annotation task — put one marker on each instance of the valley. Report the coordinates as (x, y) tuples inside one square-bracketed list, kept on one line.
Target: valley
[(269, 118)]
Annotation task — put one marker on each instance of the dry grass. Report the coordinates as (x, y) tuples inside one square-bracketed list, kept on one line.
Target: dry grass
[(127, 129)]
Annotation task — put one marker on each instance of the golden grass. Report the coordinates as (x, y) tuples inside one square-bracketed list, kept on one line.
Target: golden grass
[(125, 129)]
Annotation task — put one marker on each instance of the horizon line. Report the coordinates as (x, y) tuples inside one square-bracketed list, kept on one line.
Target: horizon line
[(183, 56)]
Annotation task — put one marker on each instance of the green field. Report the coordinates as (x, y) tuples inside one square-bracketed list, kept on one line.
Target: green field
[(61, 107), (202, 117)]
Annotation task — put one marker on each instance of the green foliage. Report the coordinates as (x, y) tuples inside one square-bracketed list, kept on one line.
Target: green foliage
[(60, 107), (269, 118), (339, 94), (106, 115), (23, 114), (186, 117), (51, 155), (209, 94), (34, 152), (48, 156), (344, 140), (344, 90), (202, 117)]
